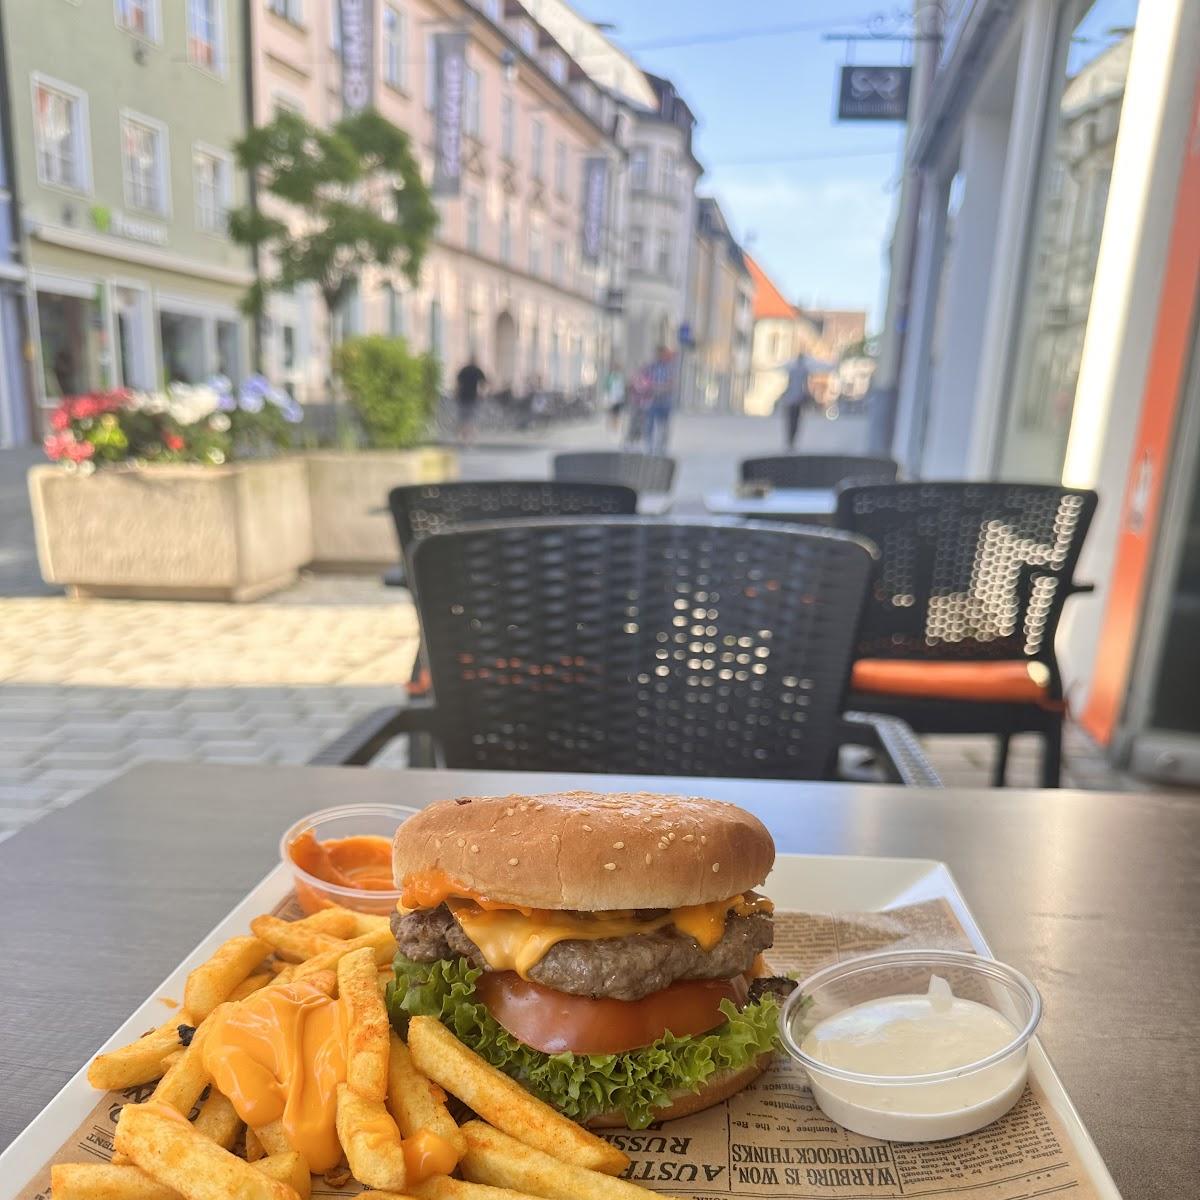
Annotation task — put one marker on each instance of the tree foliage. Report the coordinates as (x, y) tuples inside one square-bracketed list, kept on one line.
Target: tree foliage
[(392, 390), (362, 198)]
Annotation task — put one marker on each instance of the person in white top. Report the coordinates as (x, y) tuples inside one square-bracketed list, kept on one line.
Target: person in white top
[(797, 393)]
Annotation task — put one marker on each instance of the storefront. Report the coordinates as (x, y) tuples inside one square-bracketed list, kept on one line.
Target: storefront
[(1050, 155)]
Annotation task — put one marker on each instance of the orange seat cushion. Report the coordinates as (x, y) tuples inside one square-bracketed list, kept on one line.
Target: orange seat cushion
[(1006, 682)]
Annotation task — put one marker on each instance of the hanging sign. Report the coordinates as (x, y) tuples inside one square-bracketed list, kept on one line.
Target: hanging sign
[(450, 59), (358, 53), (595, 196), (874, 93)]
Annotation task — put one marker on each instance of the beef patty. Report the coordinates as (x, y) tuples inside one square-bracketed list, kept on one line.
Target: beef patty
[(625, 968)]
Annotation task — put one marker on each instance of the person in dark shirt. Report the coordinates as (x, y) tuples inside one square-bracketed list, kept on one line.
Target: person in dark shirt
[(469, 381)]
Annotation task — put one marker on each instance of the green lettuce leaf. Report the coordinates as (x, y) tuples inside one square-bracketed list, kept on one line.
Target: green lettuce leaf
[(580, 1085)]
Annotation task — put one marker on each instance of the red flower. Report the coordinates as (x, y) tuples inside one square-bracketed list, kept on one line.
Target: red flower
[(79, 451), (173, 441), (60, 419)]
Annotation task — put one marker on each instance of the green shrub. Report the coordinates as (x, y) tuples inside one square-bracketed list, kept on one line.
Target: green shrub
[(392, 390)]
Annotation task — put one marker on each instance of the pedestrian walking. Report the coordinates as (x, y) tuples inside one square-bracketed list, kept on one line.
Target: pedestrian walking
[(797, 395), (662, 377), (468, 384), (614, 395), (637, 404)]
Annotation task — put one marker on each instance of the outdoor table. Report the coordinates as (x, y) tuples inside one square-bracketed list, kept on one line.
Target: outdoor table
[(1094, 894), (816, 505)]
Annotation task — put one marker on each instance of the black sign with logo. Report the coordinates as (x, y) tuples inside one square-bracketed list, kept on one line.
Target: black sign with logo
[(874, 93)]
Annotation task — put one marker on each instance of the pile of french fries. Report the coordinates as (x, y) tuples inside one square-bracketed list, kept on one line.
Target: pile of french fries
[(187, 1140)]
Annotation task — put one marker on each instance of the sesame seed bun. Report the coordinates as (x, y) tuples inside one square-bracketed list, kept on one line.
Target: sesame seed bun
[(589, 851)]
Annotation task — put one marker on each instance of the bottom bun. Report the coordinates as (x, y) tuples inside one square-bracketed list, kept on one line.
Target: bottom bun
[(683, 1104)]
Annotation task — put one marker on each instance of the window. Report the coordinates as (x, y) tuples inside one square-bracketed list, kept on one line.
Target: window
[(492, 9), (535, 249), (144, 163), (560, 168), (430, 72), (139, 17), (663, 260), (557, 67), (637, 247), (639, 166), (537, 138), (506, 233), (558, 262), (394, 310), (473, 223), (335, 27), (508, 127), (213, 175), (527, 38), (204, 34), (666, 173), (289, 10), (472, 101), (60, 130), (395, 48)]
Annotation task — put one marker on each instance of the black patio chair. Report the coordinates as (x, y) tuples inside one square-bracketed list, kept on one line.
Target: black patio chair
[(958, 632), (817, 470), (652, 473), (640, 646)]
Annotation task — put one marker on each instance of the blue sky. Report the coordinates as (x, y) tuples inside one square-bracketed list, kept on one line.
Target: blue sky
[(813, 196)]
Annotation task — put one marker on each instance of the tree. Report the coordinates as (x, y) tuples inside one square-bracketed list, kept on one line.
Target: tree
[(361, 198)]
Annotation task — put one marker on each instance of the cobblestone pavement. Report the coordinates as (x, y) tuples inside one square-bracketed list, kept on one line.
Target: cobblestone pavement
[(88, 688)]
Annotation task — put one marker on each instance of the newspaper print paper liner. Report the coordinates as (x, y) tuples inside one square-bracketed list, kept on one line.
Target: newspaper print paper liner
[(769, 1140)]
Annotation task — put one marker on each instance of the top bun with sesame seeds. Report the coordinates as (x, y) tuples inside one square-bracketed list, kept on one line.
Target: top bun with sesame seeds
[(586, 851)]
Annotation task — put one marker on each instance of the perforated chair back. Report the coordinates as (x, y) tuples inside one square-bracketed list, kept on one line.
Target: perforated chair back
[(426, 508), (653, 473), (817, 470), (637, 645), (967, 570)]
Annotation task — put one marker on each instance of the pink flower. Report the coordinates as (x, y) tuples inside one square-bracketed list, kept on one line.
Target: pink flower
[(173, 441), (80, 451), (60, 419)]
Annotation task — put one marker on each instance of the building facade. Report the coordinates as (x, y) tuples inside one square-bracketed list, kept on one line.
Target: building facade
[(781, 332), (123, 164), (505, 279), (717, 356), (1052, 250)]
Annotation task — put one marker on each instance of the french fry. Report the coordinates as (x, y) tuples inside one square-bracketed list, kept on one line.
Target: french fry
[(369, 923), (170, 1059), (254, 1148), (335, 920), (250, 984), (290, 1168), (140, 1061), (290, 940), (412, 1102), (285, 974), (380, 941), (273, 1138), (186, 1077), (103, 1181), (218, 1119), (376, 1195), (211, 982), (171, 1152), (367, 1027), (501, 1161), (442, 1187), (440, 1056), (370, 1140)]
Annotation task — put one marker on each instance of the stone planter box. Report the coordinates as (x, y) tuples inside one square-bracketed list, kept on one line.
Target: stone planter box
[(174, 531), (351, 528)]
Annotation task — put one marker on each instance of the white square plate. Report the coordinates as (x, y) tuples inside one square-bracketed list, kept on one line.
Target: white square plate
[(800, 882)]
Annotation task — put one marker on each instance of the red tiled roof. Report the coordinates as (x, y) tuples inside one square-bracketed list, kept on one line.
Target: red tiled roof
[(769, 301)]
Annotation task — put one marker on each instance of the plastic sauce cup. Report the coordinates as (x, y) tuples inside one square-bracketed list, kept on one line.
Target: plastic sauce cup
[(915, 1107)]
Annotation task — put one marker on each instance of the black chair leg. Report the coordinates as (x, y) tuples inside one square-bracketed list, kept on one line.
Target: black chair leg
[(1052, 755), (1000, 767)]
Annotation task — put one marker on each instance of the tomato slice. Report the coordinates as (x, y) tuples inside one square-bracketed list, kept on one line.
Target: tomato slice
[(553, 1021)]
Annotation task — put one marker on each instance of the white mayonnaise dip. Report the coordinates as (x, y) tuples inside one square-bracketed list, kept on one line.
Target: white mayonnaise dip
[(896, 1037)]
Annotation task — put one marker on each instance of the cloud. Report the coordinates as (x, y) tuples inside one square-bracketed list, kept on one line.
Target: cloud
[(824, 240)]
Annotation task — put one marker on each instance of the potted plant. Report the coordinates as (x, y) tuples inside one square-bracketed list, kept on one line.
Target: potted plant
[(173, 494)]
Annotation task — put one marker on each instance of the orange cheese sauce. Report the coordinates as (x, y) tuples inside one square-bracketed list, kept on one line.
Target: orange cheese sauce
[(363, 862), (281, 1053), (427, 1154)]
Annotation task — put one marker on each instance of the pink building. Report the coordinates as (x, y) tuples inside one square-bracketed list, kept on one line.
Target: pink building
[(506, 278)]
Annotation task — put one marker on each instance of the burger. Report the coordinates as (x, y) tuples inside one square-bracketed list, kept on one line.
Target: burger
[(605, 950)]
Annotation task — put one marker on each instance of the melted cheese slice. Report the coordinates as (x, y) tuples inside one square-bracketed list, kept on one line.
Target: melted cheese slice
[(513, 940)]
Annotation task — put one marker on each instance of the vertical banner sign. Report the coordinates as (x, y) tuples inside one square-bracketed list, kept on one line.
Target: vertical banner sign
[(358, 53), (595, 203), (874, 93), (450, 57)]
